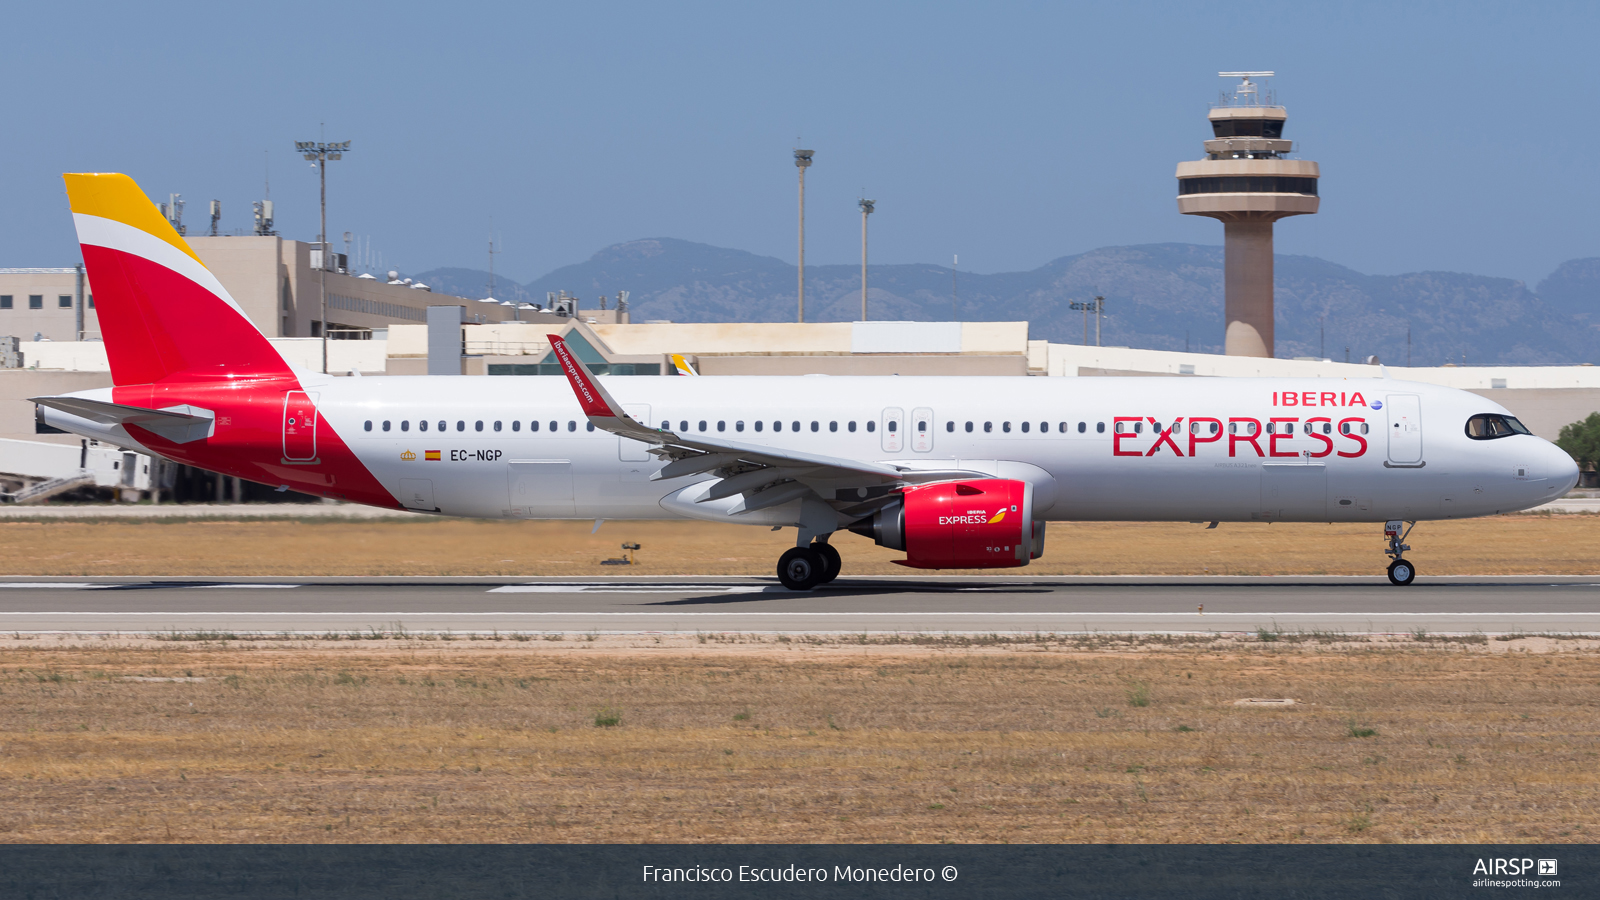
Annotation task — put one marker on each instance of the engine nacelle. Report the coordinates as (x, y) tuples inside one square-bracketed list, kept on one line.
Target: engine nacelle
[(984, 523)]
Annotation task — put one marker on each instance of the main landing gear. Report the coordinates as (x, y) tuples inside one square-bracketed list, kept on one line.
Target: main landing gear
[(1401, 571), (804, 568)]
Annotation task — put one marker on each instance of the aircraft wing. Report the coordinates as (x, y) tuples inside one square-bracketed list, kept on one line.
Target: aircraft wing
[(744, 468), (179, 424)]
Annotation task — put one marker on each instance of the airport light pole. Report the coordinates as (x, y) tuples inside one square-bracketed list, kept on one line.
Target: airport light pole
[(802, 161), (1097, 306), (866, 210), (318, 153)]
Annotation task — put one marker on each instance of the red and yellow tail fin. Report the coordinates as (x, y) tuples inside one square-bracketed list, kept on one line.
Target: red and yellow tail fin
[(163, 315)]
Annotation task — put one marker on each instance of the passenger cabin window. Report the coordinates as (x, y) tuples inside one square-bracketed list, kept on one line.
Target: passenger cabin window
[(461, 426), (850, 427), (1006, 427), (571, 425), (777, 426), (516, 425), (1025, 427), (478, 426), (554, 425), (969, 428), (1082, 427), (385, 424), (405, 424), (760, 424), (1488, 426), (872, 426), (722, 425), (739, 425), (816, 426), (988, 426), (794, 426), (1100, 428), (534, 425), (588, 426), (496, 424), (702, 424), (833, 426)]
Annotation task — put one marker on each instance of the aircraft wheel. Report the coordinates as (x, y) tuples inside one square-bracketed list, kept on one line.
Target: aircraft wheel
[(801, 569), (1402, 572), (831, 561)]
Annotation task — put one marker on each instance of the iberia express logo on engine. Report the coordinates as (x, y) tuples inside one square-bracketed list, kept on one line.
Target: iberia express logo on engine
[(973, 517)]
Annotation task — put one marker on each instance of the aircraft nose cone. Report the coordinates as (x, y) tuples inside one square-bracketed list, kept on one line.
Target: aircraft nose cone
[(1563, 471)]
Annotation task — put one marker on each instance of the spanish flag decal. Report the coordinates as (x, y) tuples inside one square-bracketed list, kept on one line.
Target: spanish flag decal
[(430, 455)]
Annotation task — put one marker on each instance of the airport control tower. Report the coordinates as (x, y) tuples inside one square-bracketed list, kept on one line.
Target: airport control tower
[(1247, 181)]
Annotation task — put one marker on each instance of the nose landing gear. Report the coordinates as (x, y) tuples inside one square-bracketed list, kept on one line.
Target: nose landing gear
[(1401, 572), (803, 568)]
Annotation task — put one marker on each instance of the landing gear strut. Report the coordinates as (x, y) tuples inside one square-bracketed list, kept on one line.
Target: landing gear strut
[(1401, 571), (804, 568)]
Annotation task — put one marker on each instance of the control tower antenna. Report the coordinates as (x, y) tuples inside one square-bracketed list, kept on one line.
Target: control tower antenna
[(1248, 181)]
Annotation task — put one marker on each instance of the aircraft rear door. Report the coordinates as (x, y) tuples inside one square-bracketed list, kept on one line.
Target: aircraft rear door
[(299, 426), (1405, 429)]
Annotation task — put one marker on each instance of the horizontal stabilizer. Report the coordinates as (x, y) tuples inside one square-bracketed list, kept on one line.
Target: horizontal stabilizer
[(178, 424)]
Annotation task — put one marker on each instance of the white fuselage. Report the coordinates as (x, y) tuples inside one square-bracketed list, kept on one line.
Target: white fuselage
[(1412, 460)]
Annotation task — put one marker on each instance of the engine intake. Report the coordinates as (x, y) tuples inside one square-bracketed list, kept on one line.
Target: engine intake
[(983, 523)]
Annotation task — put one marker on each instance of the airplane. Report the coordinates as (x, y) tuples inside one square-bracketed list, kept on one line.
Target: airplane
[(957, 473)]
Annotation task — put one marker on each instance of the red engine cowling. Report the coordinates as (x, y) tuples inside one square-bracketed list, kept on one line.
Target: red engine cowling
[(984, 523)]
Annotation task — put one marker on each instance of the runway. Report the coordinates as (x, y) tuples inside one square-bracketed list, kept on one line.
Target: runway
[(933, 605)]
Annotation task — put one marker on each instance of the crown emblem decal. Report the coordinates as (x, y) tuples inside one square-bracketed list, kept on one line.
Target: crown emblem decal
[(408, 456)]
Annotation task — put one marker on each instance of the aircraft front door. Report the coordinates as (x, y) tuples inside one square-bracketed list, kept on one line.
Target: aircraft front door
[(299, 426), (1405, 429)]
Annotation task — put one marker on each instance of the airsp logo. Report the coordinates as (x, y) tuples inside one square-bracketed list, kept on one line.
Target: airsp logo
[(1501, 866)]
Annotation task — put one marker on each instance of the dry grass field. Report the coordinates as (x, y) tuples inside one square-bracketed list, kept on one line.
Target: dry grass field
[(727, 739), (1524, 544)]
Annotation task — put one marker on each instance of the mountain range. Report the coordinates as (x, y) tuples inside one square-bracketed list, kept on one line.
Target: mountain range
[(1157, 296)]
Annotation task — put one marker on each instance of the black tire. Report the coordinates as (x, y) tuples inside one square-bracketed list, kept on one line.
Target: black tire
[(1402, 572), (800, 569), (831, 561)]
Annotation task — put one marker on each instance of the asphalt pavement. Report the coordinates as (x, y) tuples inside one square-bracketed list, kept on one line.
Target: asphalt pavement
[(930, 605)]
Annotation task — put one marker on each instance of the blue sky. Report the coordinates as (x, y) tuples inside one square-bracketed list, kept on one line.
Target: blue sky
[(1452, 136)]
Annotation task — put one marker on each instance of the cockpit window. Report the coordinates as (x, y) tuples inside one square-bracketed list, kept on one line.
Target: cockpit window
[(1488, 426)]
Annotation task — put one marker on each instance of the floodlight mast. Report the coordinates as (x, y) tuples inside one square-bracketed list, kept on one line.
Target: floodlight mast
[(318, 153), (866, 210), (802, 161)]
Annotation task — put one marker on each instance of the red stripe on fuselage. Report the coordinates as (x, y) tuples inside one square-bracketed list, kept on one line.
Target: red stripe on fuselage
[(248, 439)]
